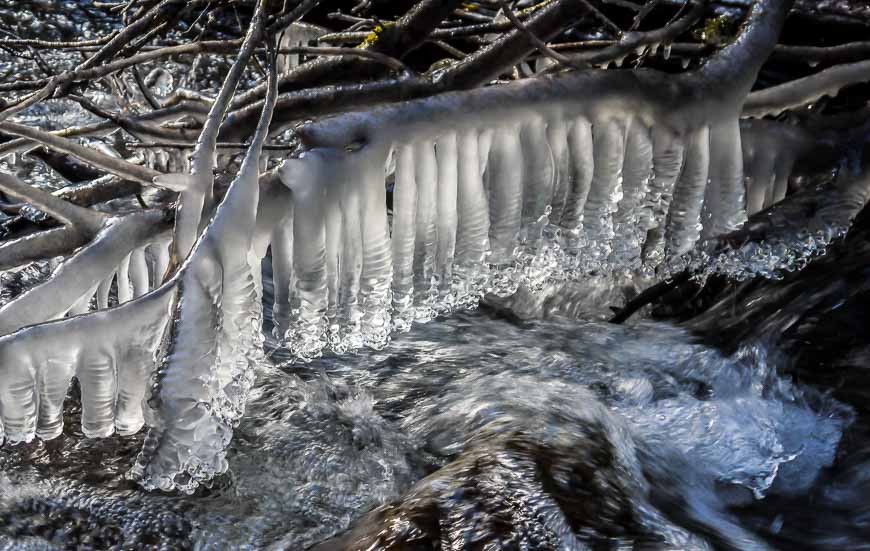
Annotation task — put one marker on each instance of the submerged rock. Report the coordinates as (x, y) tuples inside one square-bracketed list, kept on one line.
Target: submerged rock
[(511, 491)]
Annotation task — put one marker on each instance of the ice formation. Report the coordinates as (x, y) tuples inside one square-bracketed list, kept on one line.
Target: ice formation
[(770, 150), (208, 368), (553, 177), (518, 185), (200, 325), (297, 35), (129, 250)]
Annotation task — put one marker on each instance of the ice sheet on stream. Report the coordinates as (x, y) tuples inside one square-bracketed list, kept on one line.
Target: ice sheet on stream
[(315, 453)]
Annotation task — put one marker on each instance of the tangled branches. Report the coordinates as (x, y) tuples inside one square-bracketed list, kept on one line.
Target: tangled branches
[(144, 81)]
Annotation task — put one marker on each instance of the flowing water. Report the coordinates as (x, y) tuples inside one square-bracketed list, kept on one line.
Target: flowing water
[(627, 434)]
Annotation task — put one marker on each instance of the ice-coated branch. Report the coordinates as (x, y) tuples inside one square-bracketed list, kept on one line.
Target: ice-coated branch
[(636, 167), (803, 91), (214, 347), (77, 278), (40, 246), (197, 193)]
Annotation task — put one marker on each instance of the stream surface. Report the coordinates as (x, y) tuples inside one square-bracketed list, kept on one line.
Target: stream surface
[(502, 434)]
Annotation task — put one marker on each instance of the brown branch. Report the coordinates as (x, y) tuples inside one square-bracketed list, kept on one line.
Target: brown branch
[(408, 33), (539, 44), (629, 42), (378, 57), (293, 15), (94, 158), (132, 125), (144, 89), (475, 69), (78, 75), (220, 145), (842, 53), (53, 45)]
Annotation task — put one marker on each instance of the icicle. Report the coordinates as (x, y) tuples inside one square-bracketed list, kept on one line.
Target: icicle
[(447, 218), (305, 177), (125, 289), (582, 168), (349, 320), (403, 237), (557, 137), (683, 227), (97, 380), (377, 268), (18, 396), (160, 254), (53, 389), (605, 191), (725, 197), (538, 172), (103, 290), (283, 279), (666, 54), (337, 256), (783, 171), (629, 231), (83, 304), (425, 245), (138, 272), (506, 193), (484, 146), (760, 180), (472, 237), (668, 152)]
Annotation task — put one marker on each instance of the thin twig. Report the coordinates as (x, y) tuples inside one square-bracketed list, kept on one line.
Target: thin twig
[(51, 45), (93, 157), (539, 44), (146, 91), (384, 59), (190, 145)]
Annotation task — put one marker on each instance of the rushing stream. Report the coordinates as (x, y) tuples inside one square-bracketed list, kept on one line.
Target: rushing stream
[(508, 432)]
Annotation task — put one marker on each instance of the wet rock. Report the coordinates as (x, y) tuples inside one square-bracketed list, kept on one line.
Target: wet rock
[(511, 492)]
